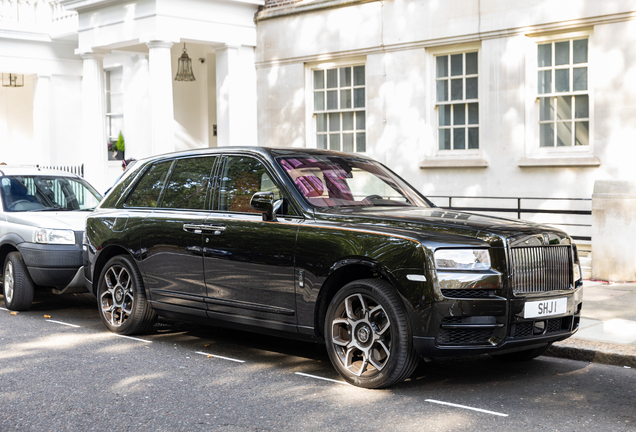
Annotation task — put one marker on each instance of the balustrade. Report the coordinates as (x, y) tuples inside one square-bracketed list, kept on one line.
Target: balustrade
[(36, 16)]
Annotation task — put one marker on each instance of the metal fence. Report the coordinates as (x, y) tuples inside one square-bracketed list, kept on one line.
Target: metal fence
[(574, 215), (74, 169)]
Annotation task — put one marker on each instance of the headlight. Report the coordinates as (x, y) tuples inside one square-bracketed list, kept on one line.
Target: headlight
[(462, 259), (53, 236)]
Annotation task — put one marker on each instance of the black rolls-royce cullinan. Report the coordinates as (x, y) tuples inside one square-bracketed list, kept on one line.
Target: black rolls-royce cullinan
[(331, 247)]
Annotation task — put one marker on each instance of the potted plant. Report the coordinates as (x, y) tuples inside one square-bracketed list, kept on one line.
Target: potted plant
[(117, 148)]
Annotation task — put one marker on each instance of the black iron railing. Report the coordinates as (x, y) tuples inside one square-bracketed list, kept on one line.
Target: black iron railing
[(522, 206)]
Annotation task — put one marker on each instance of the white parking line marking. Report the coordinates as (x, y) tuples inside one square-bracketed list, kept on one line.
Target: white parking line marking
[(467, 407), (4, 309), (321, 378), (133, 338), (221, 357), (63, 323)]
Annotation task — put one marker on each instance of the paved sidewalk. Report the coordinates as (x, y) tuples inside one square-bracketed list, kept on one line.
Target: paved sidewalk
[(607, 333)]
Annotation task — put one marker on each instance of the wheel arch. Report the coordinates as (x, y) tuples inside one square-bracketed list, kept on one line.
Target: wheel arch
[(344, 272), (105, 255), (6, 249)]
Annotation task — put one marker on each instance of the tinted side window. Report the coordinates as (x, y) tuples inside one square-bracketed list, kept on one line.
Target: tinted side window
[(188, 184), (148, 189), (242, 177)]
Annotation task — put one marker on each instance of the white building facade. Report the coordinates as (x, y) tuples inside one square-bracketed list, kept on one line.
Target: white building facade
[(463, 98)]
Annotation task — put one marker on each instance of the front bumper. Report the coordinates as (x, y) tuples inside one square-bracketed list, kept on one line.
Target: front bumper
[(53, 265), (494, 325)]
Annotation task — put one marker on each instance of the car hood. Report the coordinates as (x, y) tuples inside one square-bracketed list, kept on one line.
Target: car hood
[(448, 222), (74, 220)]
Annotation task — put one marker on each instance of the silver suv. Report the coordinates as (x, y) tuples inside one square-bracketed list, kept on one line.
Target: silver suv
[(42, 218)]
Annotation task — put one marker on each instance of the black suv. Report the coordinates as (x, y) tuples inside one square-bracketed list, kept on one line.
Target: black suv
[(328, 246)]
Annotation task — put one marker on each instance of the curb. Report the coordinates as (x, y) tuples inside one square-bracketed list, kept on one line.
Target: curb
[(594, 352)]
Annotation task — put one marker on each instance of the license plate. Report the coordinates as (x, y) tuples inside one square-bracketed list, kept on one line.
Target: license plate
[(536, 309)]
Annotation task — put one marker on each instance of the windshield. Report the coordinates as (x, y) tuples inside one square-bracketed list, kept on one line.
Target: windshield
[(47, 193), (336, 181)]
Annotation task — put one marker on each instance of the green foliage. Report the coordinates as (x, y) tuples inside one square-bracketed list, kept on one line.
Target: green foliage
[(121, 145)]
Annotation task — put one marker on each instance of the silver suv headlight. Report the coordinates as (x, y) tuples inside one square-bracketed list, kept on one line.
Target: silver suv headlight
[(462, 259), (54, 236)]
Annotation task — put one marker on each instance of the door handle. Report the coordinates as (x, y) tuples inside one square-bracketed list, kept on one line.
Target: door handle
[(198, 229)]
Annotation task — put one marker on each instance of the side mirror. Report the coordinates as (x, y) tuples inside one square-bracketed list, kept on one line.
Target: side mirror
[(263, 202)]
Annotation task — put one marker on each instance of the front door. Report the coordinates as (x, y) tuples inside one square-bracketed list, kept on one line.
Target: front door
[(249, 263)]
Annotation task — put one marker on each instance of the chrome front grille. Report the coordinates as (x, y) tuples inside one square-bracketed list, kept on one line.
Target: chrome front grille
[(540, 268)]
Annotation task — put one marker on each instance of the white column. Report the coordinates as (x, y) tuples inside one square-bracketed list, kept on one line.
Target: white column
[(42, 120), (94, 121), (236, 96), (161, 97)]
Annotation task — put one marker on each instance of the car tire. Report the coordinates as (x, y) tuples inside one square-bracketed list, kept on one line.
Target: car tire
[(17, 285), (121, 298), (368, 335), (525, 355)]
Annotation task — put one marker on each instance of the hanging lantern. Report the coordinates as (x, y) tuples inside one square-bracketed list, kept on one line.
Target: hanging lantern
[(12, 80), (184, 72)]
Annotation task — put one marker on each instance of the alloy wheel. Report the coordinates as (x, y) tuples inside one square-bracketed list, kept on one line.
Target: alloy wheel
[(117, 300), (8, 281), (361, 336)]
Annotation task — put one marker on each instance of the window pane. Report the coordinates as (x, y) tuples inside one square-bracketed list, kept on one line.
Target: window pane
[(580, 51), (334, 142), (334, 122), (545, 82), (459, 138), (580, 78), (473, 113), (147, 191), (564, 134), (582, 133), (361, 143), (319, 79), (562, 80), (322, 141), (473, 138), (332, 78), (564, 107), (347, 142), (442, 91), (562, 53), (442, 66), (545, 55), (319, 101), (546, 109), (457, 67), (332, 100), (457, 89), (188, 185), (347, 121), (360, 120), (358, 98), (345, 77), (546, 134), (459, 114), (471, 63), (471, 88), (345, 99), (321, 122), (444, 139), (581, 106), (444, 115), (358, 75)]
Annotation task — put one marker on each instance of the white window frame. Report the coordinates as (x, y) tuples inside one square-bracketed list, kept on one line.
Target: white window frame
[(533, 98), (110, 134), (311, 114), (431, 76)]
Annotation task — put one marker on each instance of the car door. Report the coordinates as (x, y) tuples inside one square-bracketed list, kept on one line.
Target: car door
[(248, 262), (172, 236)]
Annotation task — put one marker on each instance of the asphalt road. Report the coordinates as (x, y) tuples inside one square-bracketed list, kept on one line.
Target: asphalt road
[(58, 377)]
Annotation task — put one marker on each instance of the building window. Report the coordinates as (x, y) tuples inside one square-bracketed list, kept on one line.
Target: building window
[(456, 82), (339, 108), (564, 103), (114, 103)]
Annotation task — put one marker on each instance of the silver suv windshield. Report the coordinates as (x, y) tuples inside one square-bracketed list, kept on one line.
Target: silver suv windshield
[(337, 181), (47, 193)]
